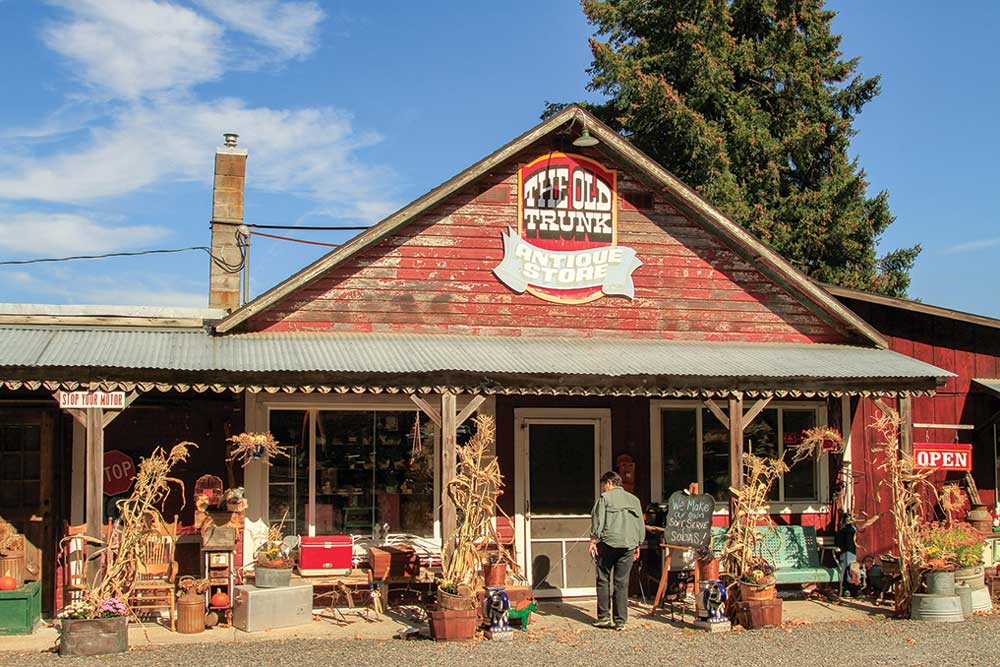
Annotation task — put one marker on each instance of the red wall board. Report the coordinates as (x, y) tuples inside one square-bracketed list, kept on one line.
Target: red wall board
[(436, 275)]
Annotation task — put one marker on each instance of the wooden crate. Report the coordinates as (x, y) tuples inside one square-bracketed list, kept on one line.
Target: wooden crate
[(393, 562)]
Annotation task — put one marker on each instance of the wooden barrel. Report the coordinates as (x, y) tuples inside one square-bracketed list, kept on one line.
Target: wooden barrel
[(191, 614), (12, 565)]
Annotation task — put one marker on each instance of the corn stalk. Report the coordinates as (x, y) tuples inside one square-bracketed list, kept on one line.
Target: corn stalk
[(138, 515), (474, 491), (744, 542), (905, 487)]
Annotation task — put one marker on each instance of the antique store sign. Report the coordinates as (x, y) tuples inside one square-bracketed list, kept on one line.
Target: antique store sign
[(566, 247)]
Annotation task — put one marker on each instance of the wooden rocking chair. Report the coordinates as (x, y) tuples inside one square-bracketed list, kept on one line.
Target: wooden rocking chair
[(153, 588)]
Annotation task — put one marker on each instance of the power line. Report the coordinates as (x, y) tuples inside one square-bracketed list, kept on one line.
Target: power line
[(288, 238), (105, 255), (351, 228)]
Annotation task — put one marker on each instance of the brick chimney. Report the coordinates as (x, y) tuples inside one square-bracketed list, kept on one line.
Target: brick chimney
[(227, 207)]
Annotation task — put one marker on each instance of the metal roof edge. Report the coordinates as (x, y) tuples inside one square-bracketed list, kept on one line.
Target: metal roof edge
[(911, 305)]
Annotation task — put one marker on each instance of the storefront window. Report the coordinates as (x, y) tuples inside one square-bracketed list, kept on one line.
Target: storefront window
[(288, 478), (372, 468), (688, 434), (715, 456), (680, 449)]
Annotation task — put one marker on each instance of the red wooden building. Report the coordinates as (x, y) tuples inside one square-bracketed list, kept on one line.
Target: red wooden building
[(964, 410), (600, 309)]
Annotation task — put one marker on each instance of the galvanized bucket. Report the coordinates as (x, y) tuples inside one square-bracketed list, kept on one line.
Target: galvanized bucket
[(940, 583), (936, 608), (965, 597), (973, 576), (981, 600), (271, 577)]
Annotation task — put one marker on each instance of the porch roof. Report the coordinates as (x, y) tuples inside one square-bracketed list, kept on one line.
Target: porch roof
[(306, 359)]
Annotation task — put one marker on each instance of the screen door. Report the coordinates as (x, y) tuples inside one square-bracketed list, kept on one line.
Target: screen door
[(561, 471)]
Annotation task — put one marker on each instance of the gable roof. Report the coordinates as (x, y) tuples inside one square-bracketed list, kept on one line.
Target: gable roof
[(913, 306), (763, 257)]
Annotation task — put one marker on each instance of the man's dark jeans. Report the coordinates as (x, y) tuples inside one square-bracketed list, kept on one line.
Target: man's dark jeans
[(613, 564)]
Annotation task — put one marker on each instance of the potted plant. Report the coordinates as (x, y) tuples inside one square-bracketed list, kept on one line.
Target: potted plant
[(495, 571), (474, 491), (707, 564), (273, 563), (93, 628), (757, 581)]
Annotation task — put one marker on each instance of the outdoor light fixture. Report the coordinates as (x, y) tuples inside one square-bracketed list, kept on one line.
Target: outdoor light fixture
[(585, 139)]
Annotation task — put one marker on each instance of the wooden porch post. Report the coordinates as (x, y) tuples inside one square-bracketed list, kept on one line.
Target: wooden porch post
[(906, 424), (735, 444), (93, 421), (449, 459)]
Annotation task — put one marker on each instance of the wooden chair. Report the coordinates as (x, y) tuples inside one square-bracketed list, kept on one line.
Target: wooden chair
[(73, 561), (153, 588)]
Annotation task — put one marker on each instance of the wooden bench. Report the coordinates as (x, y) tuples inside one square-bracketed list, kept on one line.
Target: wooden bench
[(794, 551)]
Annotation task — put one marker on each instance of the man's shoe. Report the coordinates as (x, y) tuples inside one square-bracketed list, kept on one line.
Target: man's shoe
[(619, 627), (603, 623)]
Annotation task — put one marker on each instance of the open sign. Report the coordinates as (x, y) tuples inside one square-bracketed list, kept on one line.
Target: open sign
[(942, 456), (119, 471)]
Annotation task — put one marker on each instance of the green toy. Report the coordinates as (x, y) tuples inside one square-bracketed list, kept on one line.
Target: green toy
[(522, 615)]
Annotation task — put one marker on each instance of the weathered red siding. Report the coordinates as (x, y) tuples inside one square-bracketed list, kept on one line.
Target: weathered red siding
[(966, 349), (436, 275)]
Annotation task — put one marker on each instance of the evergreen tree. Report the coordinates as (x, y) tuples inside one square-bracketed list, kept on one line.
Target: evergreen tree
[(751, 103)]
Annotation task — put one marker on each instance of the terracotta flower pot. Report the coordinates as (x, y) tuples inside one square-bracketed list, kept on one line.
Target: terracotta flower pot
[(708, 569), (494, 574)]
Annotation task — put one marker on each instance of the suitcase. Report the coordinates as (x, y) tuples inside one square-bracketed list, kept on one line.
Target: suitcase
[(322, 555), (257, 609)]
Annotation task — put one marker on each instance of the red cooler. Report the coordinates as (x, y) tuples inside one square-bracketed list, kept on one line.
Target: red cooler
[(322, 555)]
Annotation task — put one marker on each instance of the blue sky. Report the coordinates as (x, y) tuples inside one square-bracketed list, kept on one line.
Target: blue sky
[(113, 109)]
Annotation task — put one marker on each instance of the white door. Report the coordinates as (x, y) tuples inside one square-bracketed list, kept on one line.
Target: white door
[(561, 454)]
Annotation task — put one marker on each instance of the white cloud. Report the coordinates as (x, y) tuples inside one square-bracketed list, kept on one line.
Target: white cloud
[(288, 28), (971, 246), (55, 235), (130, 48), (309, 152)]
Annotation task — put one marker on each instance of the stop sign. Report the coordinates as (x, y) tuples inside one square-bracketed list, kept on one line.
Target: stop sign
[(119, 471)]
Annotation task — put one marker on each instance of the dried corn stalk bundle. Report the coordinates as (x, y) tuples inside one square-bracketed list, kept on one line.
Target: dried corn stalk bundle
[(744, 542), (906, 488), (10, 539), (474, 491), (816, 441), (139, 514)]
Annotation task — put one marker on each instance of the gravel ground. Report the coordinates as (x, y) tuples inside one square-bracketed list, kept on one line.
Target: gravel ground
[(645, 642)]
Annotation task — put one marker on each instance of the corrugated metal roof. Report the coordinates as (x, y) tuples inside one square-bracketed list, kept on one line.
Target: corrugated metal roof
[(993, 384), (55, 347)]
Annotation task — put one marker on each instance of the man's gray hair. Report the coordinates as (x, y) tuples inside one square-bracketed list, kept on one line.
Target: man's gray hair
[(613, 477)]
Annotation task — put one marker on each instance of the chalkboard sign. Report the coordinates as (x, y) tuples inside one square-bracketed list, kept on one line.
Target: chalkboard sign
[(689, 520)]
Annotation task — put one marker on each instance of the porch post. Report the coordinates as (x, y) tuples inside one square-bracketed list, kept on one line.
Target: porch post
[(95, 472), (906, 424), (735, 444), (449, 460)]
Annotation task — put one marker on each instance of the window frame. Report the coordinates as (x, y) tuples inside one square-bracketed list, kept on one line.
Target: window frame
[(261, 413), (818, 505)]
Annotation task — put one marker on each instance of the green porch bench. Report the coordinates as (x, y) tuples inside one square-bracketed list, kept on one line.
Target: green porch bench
[(794, 551)]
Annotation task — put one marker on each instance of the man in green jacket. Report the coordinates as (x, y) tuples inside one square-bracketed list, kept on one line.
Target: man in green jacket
[(616, 531)]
